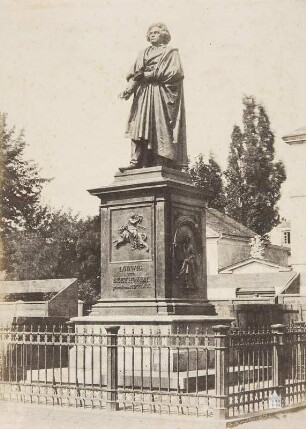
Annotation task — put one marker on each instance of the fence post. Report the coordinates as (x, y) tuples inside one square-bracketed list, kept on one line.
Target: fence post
[(112, 367), (278, 364), (300, 370), (221, 369)]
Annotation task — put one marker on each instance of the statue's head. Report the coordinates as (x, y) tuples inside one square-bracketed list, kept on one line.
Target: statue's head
[(158, 31)]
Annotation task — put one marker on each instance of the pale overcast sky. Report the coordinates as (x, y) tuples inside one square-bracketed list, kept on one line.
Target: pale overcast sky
[(63, 63)]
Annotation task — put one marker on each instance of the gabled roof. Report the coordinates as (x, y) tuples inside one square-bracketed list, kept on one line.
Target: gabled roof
[(34, 286), (223, 224), (224, 286), (298, 135), (231, 268), (296, 132)]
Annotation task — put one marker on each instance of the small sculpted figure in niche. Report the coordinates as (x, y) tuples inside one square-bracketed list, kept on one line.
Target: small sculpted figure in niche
[(188, 268), (156, 124)]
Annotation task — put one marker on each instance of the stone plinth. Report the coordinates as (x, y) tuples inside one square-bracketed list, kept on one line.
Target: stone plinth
[(150, 350), (153, 256), (163, 324)]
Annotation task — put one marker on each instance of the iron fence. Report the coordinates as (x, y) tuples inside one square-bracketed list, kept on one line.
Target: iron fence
[(157, 372), (266, 368), (225, 372)]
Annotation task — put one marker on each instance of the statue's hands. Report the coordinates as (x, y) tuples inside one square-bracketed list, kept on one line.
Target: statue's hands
[(125, 95), (148, 75)]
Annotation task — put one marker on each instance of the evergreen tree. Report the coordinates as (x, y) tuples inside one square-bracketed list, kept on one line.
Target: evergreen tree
[(20, 183), (233, 174), (253, 178), (209, 177)]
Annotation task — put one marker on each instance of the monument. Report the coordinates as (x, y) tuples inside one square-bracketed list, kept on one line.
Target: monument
[(156, 124), (153, 256)]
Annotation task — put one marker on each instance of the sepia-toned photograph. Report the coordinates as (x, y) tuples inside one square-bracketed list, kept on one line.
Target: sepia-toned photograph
[(152, 214)]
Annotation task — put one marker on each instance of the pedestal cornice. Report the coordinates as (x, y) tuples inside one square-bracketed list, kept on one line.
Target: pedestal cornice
[(153, 180)]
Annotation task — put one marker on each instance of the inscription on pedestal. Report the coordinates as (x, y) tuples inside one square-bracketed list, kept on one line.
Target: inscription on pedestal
[(131, 276)]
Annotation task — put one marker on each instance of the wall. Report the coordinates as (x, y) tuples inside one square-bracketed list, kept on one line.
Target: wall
[(223, 252), (296, 173), (65, 303), (251, 315), (23, 309), (212, 255), (293, 304), (276, 234), (231, 251), (277, 254), (298, 233)]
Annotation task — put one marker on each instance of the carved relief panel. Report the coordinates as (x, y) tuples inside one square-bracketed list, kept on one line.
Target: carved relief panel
[(131, 234), (131, 242)]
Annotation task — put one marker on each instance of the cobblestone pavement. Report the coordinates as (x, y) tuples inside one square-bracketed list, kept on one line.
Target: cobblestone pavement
[(26, 416)]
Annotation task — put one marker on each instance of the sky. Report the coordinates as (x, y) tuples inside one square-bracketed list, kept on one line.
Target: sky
[(64, 62)]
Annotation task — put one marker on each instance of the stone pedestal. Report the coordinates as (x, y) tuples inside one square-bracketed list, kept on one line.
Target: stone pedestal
[(153, 261), (153, 257), (153, 286)]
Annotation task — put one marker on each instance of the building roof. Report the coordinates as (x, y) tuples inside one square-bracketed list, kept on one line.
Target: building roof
[(34, 286), (249, 261), (283, 224), (223, 224), (296, 135), (224, 286)]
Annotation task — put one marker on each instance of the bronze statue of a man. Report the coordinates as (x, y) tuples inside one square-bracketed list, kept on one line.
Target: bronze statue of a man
[(156, 124)]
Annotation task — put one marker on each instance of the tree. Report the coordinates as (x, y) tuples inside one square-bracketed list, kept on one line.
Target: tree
[(38, 242), (21, 184), (45, 253), (209, 177), (20, 190), (64, 246), (235, 184), (89, 260), (253, 178)]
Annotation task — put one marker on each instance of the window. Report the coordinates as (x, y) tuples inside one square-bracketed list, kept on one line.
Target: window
[(287, 237)]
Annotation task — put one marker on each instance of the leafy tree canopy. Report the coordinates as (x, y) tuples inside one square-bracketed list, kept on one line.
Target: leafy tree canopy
[(64, 247), (208, 176)]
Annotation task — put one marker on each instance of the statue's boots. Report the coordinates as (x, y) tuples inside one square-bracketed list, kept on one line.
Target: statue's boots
[(129, 167)]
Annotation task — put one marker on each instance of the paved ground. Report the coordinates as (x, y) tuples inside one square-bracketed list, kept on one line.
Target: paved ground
[(20, 416)]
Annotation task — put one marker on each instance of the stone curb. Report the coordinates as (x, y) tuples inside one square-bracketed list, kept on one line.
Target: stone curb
[(169, 421)]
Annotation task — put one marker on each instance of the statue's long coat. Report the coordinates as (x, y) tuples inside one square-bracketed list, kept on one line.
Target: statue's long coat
[(158, 112)]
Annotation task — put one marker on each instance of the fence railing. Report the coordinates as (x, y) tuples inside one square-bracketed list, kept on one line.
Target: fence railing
[(223, 373)]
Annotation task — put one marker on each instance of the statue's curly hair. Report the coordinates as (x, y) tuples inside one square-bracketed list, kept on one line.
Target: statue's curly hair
[(166, 37)]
